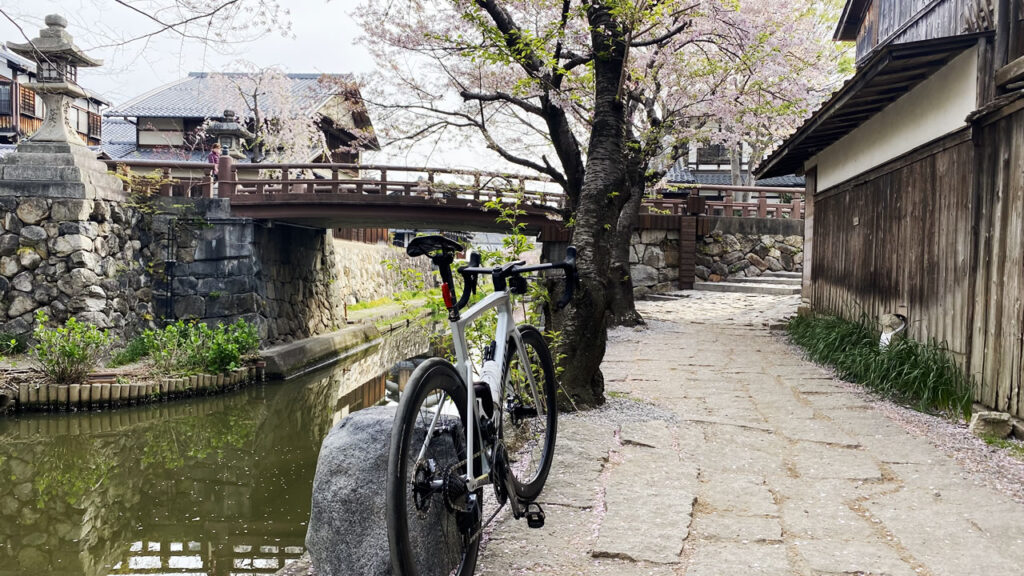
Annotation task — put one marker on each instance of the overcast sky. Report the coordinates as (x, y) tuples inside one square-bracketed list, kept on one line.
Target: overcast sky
[(322, 39)]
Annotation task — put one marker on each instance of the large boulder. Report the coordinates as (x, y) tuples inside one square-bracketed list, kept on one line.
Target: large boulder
[(347, 526), (347, 531)]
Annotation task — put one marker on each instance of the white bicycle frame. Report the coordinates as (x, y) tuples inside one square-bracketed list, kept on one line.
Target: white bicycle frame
[(501, 302)]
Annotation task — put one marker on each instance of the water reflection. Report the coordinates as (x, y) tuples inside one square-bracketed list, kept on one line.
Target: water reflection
[(212, 486)]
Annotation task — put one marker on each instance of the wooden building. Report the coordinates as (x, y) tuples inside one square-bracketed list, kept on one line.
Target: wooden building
[(915, 181)]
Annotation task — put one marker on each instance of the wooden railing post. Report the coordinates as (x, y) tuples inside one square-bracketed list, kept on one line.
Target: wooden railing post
[(727, 207), (762, 205), (207, 186), (797, 208), (383, 182), (165, 188), (226, 177)]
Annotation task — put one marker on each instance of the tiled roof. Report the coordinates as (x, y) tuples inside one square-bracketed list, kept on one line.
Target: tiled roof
[(19, 60), (680, 174), (196, 97)]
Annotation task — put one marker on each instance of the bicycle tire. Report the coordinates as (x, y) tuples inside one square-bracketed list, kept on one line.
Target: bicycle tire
[(529, 420), (427, 537)]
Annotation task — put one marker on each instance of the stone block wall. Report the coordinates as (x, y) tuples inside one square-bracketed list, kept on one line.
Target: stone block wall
[(371, 271), (299, 282), (72, 257), (723, 255), (654, 261), (281, 278)]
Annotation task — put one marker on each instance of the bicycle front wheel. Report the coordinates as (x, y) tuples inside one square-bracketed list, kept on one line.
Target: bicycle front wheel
[(433, 524), (529, 413)]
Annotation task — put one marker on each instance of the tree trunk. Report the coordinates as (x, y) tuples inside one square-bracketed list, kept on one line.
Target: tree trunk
[(623, 303), (584, 332)]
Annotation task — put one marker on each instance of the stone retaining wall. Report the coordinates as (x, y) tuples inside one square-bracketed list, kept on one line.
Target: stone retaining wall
[(721, 256), (72, 257), (654, 261), (371, 271)]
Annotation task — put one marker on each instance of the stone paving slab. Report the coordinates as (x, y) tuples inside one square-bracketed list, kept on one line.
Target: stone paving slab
[(647, 517), (770, 467)]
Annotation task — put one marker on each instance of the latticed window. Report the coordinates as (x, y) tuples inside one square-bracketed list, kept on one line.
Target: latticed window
[(95, 125), (712, 154), (6, 99), (27, 102)]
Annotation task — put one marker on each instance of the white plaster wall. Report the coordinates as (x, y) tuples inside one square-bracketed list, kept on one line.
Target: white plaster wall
[(936, 107)]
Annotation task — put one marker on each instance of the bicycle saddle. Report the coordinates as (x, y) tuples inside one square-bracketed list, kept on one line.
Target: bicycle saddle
[(421, 245)]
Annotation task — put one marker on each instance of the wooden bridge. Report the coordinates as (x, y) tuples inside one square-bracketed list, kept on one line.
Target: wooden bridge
[(385, 196)]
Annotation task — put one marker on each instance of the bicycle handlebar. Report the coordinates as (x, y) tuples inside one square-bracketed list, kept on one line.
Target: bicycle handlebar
[(501, 273)]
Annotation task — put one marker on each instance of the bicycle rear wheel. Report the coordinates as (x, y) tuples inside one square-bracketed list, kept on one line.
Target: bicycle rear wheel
[(432, 524), (530, 413)]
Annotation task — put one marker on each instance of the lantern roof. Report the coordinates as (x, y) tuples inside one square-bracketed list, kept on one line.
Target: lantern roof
[(54, 42), (228, 126)]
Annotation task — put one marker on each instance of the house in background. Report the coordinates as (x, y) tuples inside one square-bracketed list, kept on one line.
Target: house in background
[(164, 124), (915, 182), (710, 165), (21, 110)]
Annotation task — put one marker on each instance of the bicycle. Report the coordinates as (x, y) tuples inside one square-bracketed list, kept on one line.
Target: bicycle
[(508, 417)]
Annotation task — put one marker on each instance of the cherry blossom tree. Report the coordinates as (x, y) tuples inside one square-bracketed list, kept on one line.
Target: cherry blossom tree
[(285, 128), (212, 22), (590, 94)]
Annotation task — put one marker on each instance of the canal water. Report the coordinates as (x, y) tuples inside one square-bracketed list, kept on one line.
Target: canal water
[(215, 486)]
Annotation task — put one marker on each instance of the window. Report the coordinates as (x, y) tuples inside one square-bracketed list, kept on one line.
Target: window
[(27, 102), (6, 99), (715, 154)]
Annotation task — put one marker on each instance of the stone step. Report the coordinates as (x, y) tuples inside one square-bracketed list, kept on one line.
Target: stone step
[(17, 159), (765, 279), (771, 274), (43, 173), (748, 288)]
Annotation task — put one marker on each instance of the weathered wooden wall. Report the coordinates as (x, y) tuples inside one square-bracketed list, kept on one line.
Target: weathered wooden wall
[(910, 21), (939, 236), (998, 269), (898, 239)]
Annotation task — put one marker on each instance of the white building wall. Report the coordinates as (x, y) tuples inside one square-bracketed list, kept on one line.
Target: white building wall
[(934, 108)]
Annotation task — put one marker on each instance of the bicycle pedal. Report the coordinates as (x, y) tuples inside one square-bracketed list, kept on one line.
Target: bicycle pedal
[(534, 515)]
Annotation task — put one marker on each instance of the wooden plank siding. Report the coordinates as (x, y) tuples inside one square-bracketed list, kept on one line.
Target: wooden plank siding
[(939, 236), (904, 21), (998, 273), (889, 243)]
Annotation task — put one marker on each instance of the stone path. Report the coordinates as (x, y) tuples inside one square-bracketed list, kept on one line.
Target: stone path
[(724, 453)]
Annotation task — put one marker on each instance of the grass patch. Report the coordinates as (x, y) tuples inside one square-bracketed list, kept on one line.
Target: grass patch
[(923, 376), (137, 349), (398, 298), (1014, 448)]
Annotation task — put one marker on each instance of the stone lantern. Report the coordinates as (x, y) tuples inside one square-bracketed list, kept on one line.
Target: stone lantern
[(230, 134), (57, 61)]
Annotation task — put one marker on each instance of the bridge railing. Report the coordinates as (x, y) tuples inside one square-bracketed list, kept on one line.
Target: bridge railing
[(384, 180), (237, 179), (762, 202)]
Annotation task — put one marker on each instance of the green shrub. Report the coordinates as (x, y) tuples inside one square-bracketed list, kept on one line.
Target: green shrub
[(137, 349), (228, 345), (924, 376), (193, 347), (67, 354), (13, 343)]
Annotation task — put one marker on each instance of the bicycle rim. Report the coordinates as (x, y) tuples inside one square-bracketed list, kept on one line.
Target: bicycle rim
[(427, 535), (529, 417)]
